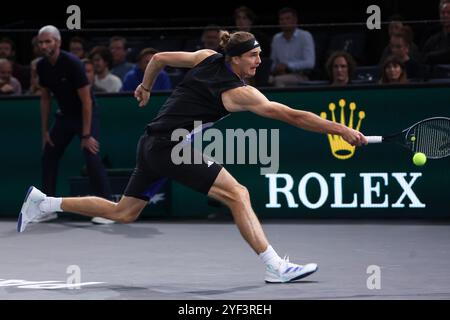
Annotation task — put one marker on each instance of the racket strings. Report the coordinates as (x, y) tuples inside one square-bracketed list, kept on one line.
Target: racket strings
[(433, 138)]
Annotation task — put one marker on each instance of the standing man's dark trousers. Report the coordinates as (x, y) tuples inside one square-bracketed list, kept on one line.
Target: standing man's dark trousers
[(61, 134)]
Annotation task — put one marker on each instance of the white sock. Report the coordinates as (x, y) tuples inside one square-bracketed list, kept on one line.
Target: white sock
[(270, 257), (50, 204)]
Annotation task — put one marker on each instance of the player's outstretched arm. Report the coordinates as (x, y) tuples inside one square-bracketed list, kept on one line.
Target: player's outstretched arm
[(249, 98), (162, 59)]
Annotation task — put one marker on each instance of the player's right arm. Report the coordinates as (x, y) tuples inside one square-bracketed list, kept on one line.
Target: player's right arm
[(162, 59), (248, 98), (45, 112)]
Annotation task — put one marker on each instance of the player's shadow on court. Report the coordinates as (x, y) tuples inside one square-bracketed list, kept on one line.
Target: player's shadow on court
[(135, 231)]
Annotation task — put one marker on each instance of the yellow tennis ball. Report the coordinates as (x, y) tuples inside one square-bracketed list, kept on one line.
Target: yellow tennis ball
[(419, 159)]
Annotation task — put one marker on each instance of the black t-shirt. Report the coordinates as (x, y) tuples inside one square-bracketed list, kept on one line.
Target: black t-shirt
[(198, 97), (437, 49), (63, 79)]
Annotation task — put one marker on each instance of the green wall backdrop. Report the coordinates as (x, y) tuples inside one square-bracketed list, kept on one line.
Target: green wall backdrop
[(375, 176)]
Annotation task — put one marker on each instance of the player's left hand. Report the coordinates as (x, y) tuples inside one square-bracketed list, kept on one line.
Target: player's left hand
[(91, 145), (141, 95)]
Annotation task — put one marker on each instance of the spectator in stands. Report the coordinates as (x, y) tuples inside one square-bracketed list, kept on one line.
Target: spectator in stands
[(134, 77), (89, 68), (340, 68), (102, 59), (437, 48), (292, 52), (397, 27), (62, 74), (244, 18), (77, 46), (8, 84), (400, 47), (90, 74), (35, 88), (211, 38), (35, 47), (393, 71), (120, 65), (20, 72)]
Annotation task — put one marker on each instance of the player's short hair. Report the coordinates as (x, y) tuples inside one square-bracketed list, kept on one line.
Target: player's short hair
[(228, 40)]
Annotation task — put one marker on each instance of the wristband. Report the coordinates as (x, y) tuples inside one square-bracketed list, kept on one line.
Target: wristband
[(142, 86), (86, 136)]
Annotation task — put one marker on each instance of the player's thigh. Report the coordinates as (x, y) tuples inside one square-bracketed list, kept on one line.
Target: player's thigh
[(226, 188)]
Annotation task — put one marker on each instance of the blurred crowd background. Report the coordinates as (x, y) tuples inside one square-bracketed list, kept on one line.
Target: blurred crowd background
[(303, 44)]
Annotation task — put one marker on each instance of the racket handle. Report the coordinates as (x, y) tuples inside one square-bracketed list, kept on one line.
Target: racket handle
[(374, 139)]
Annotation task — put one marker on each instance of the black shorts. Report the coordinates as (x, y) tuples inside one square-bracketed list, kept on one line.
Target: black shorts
[(154, 166)]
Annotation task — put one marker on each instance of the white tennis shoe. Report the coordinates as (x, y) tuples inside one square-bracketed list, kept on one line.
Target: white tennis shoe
[(46, 217), (289, 272), (101, 220), (30, 208)]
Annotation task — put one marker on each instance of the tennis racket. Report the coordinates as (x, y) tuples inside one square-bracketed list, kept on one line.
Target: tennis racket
[(430, 136)]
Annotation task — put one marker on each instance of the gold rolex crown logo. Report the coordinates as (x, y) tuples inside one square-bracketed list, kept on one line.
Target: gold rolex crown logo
[(339, 147)]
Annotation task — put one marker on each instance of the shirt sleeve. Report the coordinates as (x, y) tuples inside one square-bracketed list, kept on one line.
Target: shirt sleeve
[(117, 84), (127, 83), (17, 86), (307, 56)]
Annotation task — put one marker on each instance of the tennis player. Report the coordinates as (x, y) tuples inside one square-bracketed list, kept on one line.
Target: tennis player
[(214, 87)]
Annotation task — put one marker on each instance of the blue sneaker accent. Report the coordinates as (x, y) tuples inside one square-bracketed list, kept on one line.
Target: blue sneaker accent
[(289, 272), (30, 208), (19, 222), (28, 193)]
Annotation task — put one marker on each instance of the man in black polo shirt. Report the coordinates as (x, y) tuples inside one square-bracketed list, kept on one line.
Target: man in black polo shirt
[(63, 74)]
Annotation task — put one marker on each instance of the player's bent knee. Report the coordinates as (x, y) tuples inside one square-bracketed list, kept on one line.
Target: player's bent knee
[(126, 215), (240, 194)]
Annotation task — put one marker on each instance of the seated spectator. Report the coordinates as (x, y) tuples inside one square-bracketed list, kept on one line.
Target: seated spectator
[(292, 52), (134, 77), (393, 71), (400, 48), (35, 88), (102, 59), (437, 48), (397, 27), (244, 18), (36, 50), (90, 74), (211, 38), (20, 72), (77, 46), (340, 68), (118, 49), (8, 84)]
